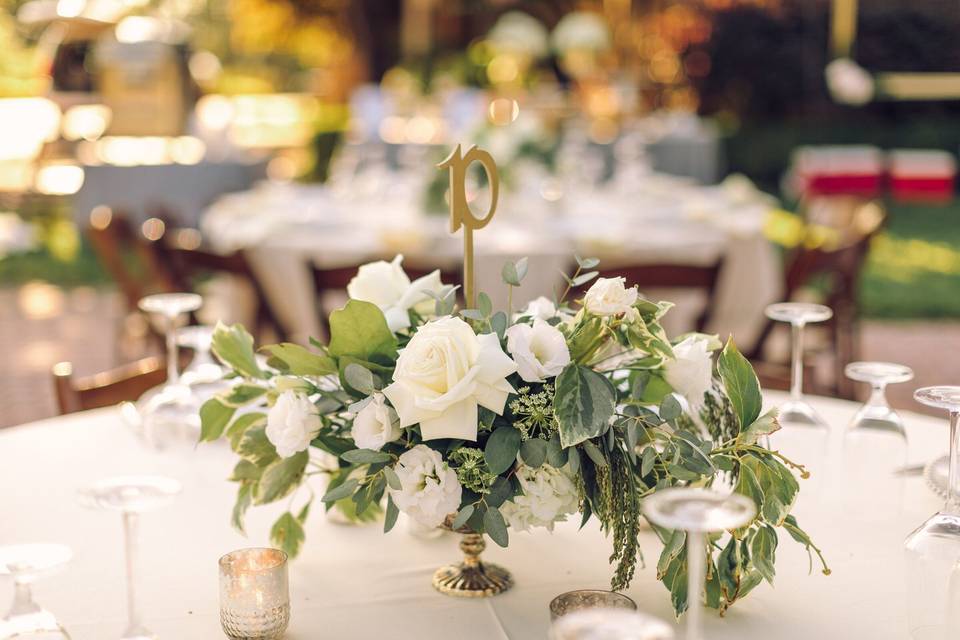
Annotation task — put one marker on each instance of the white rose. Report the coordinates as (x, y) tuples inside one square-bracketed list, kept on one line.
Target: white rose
[(690, 373), (386, 285), (444, 372), (548, 495), (541, 308), (429, 488), (609, 297), (292, 423), (375, 424), (540, 351)]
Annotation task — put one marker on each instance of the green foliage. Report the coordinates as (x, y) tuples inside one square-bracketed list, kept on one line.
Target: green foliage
[(502, 449), (214, 417), (280, 478), (585, 402), (300, 361), (360, 330), (233, 345), (287, 534), (472, 470), (740, 383)]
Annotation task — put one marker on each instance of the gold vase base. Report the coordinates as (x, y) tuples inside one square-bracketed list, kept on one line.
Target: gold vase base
[(480, 581)]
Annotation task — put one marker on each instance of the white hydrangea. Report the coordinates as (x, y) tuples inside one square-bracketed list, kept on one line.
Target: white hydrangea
[(547, 496), (430, 489)]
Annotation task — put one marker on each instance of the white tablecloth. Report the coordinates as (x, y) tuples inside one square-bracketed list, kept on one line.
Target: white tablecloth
[(358, 583), (652, 219)]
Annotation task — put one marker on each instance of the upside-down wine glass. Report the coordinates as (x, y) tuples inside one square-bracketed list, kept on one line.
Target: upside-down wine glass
[(204, 376), (131, 496), (170, 413), (933, 550), (797, 411), (27, 563), (877, 427), (697, 512)]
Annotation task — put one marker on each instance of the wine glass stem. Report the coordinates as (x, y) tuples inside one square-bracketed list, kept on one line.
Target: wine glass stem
[(173, 375), (22, 600), (695, 577), (953, 484), (796, 360), (130, 543), (878, 396)]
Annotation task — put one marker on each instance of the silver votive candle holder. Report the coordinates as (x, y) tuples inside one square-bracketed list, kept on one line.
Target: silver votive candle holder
[(254, 594), (589, 599), (609, 624)]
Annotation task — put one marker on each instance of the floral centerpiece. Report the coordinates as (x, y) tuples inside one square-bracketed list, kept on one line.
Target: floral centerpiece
[(499, 423)]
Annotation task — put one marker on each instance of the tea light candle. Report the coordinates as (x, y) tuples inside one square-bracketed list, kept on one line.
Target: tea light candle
[(589, 599), (254, 594)]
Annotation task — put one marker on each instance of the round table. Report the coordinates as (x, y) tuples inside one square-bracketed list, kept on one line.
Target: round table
[(356, 582)]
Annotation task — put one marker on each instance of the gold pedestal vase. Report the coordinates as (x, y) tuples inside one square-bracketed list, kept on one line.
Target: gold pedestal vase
[(472, 578)]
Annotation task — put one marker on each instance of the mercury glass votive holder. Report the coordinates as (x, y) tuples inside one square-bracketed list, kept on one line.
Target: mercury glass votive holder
[(589, 599), (254, 594)]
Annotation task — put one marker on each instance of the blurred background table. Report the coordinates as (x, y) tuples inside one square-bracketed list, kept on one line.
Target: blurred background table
[(356, 582)]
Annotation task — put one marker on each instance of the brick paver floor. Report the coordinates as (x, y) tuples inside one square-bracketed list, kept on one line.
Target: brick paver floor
[(41, 325)]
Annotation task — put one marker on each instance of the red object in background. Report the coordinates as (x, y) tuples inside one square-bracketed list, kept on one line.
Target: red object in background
[(839, 170), (921, 175)]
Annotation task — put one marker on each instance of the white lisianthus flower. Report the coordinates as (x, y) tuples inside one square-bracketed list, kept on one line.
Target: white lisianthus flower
[(547, 496), (690, 373), (540, 309), (430, 489), (540, 351), (375, 425), (443, 373), (292, 423), (610, 297), (386, 285)]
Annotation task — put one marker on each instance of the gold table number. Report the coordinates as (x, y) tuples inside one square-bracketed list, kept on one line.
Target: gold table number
[(460, 213)]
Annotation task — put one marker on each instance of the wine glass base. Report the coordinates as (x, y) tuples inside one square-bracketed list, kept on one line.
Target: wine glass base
[(37, 625), (878, 418), (799, 413), (138, 633)]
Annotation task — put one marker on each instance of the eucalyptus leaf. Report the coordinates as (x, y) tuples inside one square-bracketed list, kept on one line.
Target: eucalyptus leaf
[(584, 278), (495, 527), (500, 492), (501, 450), (341, 491), (670, 408), (534, 452), (462, 516), (647, 460), (499, 323), (484, 305), (365, 456), (556, 456), (390, 518), (586, 263), (393, 481), (510, 275), (595, 454)]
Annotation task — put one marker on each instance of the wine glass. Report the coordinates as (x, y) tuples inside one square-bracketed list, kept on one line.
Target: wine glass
[(797, 411), (171, 412), (131, 496), (876, 413), (933, 550), (204, 376), (609, 624), (698, 512), (27, 563)]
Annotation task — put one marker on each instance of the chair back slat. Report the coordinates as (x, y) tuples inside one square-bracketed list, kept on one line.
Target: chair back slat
[(126, 383)]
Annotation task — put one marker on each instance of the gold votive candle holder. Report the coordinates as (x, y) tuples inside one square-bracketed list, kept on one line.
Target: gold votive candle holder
[(589, 599), (254, 594)]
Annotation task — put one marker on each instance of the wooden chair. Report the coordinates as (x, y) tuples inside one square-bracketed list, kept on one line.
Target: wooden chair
[(835, 265), (126, 383), (189, 260), (672, 276)]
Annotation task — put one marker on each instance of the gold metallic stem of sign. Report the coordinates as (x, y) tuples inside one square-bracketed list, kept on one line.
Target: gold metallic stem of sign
[(468, 281), (472, 578)]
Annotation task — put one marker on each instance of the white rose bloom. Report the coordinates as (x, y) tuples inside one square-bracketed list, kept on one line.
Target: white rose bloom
[(430, 490), (540, 351), (610, 297), (386, 285), (541, 308), (443, 373), (292, 423), (548, 495), (375, 425), (690, 373)]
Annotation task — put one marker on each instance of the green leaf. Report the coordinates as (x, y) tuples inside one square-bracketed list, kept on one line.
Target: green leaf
[(393, 481), (762, 426), (341, 491), (740, 383), (255, 447), (671, 549), (499, 323), (500, 492), (584, 278), (214, 417), (366, 456), (502, 448), (586, 263), (280, 478), (573, 457), (655, 389), (301, 361), (584, 403), (534, 452), (360, 330), (242, 394), (244, 500), (239, 427), (234, 347), (495, 527), (556, 456), (360, 378), (390, 519), (670, 408), (763, 551), (245, 470), (510, 274), (729, 567), (594, 454), (462, 516), (305, 512), (647, 460), (287, 534), (484, 305)]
